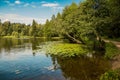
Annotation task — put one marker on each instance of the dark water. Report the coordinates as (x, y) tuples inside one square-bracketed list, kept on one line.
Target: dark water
[(25, 60)]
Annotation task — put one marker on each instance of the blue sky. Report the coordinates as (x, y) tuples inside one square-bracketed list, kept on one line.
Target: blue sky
[(24, 11)]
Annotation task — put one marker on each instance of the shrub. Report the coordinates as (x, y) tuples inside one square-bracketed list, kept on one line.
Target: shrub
[(110, 75), (111, 50)]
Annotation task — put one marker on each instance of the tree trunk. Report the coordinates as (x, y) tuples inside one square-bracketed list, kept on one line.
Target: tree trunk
[(74, 39)]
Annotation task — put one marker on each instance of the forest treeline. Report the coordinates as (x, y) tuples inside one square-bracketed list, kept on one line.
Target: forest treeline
[(80, 23)]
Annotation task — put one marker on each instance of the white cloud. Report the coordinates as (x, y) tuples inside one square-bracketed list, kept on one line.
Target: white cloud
[(54, 6), (12, 4), (50, 4), (15, 18), (17, 2)]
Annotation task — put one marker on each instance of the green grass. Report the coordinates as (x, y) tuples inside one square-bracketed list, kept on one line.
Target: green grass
[(111, 50), (66, 49)]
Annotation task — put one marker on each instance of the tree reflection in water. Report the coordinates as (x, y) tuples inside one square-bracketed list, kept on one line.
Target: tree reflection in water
[(81, 68)]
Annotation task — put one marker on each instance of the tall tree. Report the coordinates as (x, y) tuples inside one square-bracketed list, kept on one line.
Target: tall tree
[(34, 28)]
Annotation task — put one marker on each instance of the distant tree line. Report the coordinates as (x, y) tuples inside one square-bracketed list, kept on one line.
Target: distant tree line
[(18, 29)]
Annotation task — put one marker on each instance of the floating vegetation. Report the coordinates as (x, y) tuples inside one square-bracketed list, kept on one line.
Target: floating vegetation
[(66, 49)]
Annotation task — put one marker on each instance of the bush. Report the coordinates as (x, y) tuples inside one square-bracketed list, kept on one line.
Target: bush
[(111, 50), (110, 75)]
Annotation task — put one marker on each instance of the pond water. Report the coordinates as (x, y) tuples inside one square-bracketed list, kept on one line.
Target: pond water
[(23, 59)]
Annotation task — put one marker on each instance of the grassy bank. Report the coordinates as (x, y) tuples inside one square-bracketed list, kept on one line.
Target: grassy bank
[(111, 52)]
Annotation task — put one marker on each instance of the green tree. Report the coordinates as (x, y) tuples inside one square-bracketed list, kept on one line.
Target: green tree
[(6, 27), (34, 28)]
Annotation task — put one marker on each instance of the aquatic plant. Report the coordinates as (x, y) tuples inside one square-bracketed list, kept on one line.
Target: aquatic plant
[(66, 49)]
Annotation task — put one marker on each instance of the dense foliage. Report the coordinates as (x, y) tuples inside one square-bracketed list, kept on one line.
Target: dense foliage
[(87, 21), (111, 75), (111, 50)]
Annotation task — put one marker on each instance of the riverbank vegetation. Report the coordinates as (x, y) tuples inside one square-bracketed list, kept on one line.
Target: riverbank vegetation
[(111, 75), (111, 50)]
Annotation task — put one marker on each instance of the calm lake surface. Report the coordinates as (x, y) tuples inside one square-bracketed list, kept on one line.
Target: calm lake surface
[(24, 59)]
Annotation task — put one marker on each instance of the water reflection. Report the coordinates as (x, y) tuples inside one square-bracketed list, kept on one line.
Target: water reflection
[(9, 44), (81, 68), (20, 60), (12, 48)]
